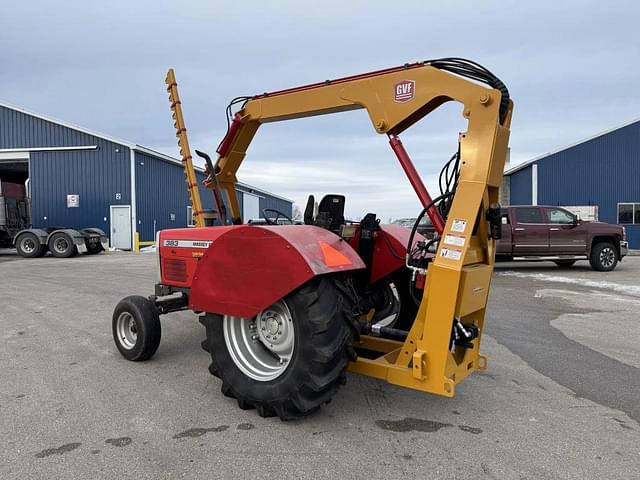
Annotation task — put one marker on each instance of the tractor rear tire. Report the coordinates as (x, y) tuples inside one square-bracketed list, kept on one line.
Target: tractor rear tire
[(322, 335)]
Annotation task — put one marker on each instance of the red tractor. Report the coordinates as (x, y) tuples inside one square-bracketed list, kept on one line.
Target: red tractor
[(288, 308)]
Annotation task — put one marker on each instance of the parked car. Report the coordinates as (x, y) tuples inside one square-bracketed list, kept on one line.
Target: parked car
[(553, 233), (425, 228)]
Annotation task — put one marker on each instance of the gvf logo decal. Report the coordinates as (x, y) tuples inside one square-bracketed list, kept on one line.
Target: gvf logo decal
[(405, 91)]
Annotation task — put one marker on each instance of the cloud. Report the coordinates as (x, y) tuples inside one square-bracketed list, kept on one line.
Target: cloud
[(570, 67)]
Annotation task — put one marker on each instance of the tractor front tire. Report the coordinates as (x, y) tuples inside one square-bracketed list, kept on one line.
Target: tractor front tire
[(136, 328), (321, 336)]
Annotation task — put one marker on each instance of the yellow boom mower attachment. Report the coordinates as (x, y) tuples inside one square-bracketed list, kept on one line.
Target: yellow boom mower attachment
[(459, 277)]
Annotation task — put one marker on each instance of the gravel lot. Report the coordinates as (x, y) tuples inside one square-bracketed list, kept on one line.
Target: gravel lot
[(560, 398)]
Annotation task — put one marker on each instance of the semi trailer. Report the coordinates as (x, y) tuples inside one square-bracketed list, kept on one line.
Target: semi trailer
[(16, 229)]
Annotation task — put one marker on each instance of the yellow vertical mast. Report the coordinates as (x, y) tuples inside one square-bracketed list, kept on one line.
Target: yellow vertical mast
[(185, 151)]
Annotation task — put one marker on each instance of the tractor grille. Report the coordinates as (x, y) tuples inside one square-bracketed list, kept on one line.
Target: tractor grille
[(175, 269)]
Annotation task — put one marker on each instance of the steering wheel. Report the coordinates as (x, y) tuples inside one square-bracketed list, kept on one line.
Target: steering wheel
[(278, 215)]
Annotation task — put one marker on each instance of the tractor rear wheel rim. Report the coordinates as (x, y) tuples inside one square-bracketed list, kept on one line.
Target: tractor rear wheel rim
[(261, 347), (607, 256), (127, 329)]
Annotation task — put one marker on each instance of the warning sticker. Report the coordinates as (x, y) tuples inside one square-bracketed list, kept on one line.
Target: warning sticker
[(457, 240), (459, 225), (451, 253)]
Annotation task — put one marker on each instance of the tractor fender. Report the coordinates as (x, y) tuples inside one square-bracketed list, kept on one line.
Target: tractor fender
[(248, 268), (38, 232)]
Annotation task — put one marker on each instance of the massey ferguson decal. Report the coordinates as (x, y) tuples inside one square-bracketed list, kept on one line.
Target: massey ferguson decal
[(405, 91), (187, 243)]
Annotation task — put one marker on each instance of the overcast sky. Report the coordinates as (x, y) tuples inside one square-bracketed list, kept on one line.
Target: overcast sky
[(572, 69)]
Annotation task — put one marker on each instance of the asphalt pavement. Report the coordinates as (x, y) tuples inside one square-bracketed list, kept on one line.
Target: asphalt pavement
[(556, 402), (556, 308)]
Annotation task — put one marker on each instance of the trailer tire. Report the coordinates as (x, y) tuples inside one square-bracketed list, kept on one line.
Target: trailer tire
[(93, 249), (322, 335), (28, 246), (136, 328), (604, 257), (61, 245)]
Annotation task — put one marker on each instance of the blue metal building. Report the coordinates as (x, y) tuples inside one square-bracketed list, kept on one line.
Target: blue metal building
[(601, 171), (79, 178)]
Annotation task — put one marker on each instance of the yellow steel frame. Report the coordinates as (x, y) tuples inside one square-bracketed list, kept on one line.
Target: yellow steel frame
[(459, 278)]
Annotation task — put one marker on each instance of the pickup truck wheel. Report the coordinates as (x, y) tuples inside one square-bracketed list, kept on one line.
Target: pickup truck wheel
[(136, 328), (564, 263), (61, 245), (28, 246), (290, 358), (604, 257)]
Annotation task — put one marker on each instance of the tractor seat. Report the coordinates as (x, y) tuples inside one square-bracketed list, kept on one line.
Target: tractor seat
[(309, 210), (330, 212)]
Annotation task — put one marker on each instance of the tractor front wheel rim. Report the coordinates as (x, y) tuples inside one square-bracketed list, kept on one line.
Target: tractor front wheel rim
[(261, 347), (127, 329)]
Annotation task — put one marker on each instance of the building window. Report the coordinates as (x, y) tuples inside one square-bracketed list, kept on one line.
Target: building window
[(191, 221), (629, 213)]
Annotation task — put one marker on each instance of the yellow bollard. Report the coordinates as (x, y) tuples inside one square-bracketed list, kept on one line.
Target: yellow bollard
[(136, 242)]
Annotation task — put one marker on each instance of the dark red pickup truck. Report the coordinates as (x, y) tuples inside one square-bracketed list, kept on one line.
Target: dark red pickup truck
[(552, 233)]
